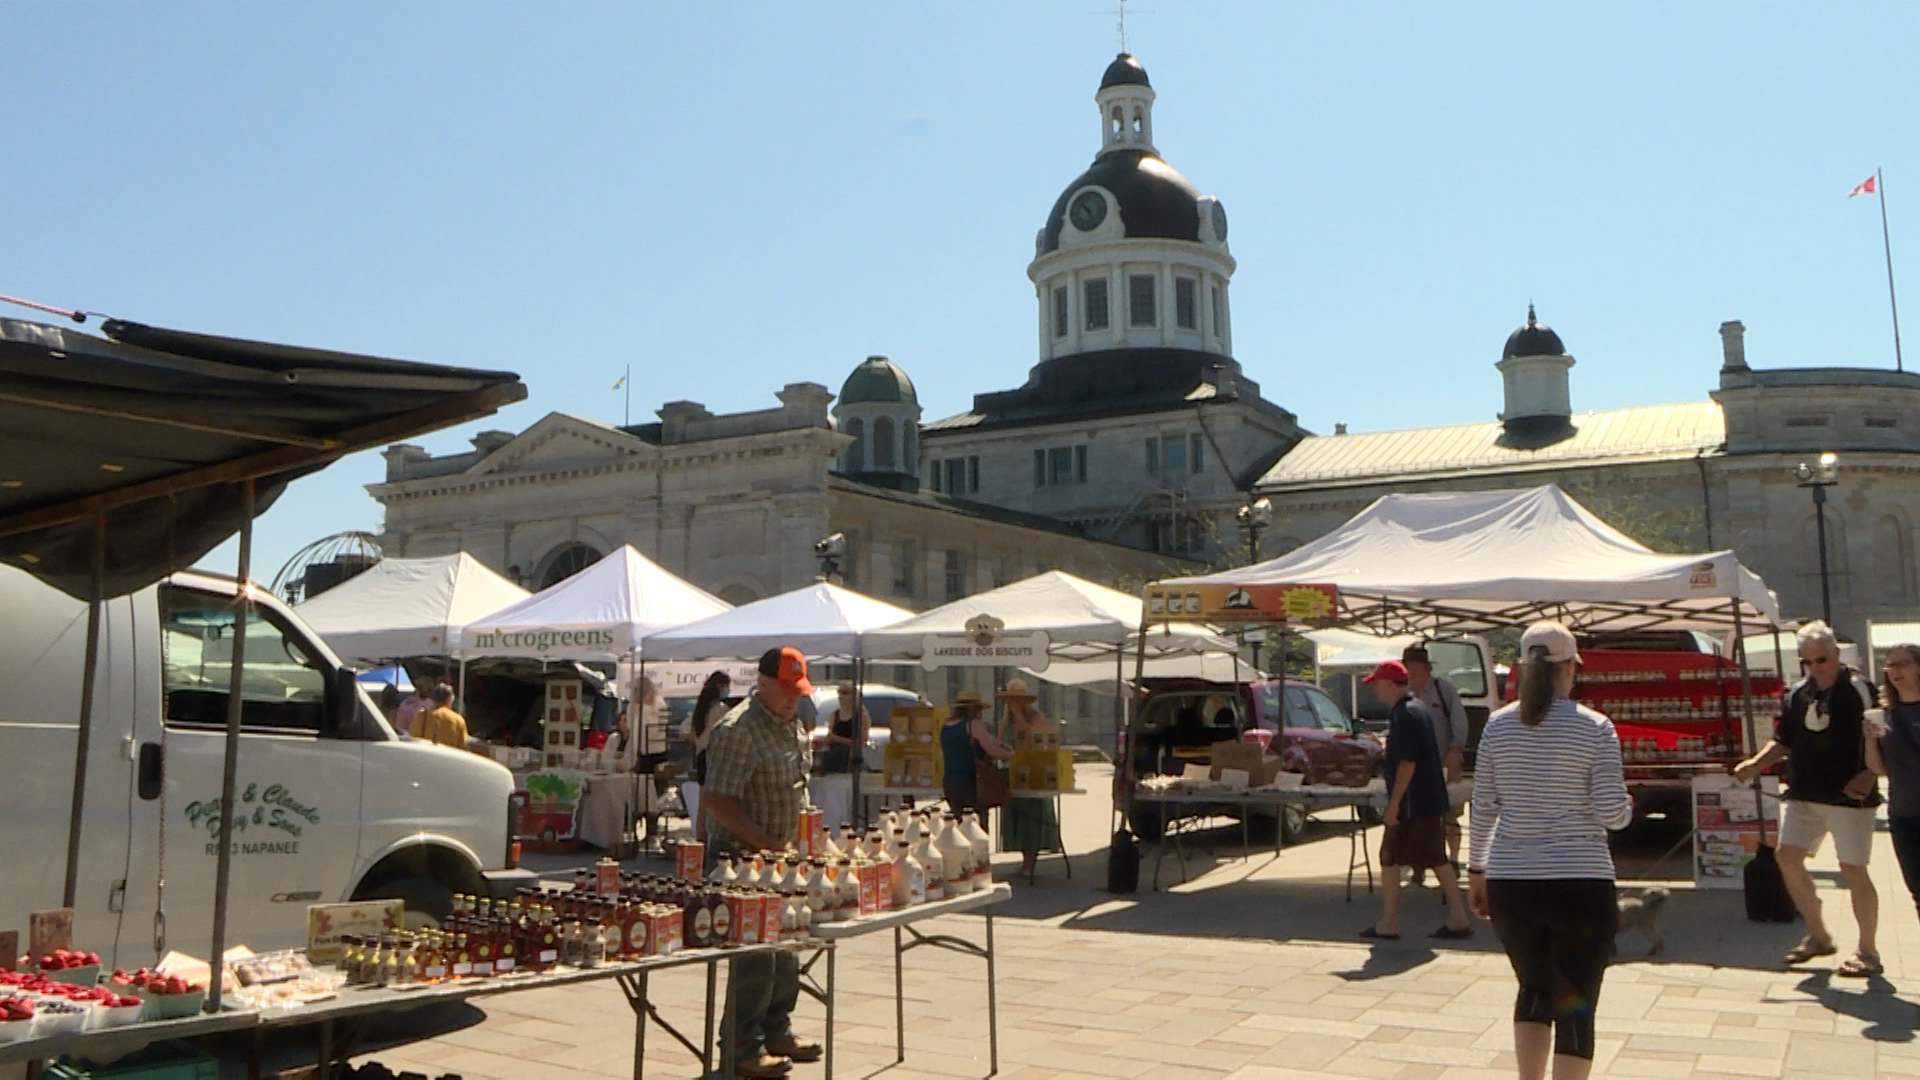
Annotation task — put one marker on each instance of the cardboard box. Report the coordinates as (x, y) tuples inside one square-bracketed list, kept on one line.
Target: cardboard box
[(690, 860), (1261, 767)]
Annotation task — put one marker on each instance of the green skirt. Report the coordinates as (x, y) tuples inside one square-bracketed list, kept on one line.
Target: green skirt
[(1029, 825)]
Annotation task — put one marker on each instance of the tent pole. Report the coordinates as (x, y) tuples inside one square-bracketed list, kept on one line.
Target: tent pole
[(1746, 684), (236, 687), (1119, 696), (463, 684), (84, 745), (1125, 772), (857, 753)]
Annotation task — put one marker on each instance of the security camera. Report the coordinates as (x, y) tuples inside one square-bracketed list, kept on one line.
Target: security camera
[(833, 546)]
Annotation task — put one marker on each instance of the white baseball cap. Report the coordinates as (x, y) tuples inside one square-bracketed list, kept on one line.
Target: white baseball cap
[(1555, 638)]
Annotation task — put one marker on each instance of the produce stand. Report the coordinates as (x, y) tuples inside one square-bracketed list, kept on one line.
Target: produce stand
[(902, 923), (114, 1042)]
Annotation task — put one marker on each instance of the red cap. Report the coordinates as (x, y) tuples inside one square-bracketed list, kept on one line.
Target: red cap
[(788, 668), (1390, 670)]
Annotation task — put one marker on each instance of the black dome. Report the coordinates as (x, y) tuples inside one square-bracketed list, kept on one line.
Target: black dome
[(1124, 71), (1533, 339), (1154, 200)]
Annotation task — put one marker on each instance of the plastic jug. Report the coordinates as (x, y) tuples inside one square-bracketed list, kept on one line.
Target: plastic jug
[(982, 851)]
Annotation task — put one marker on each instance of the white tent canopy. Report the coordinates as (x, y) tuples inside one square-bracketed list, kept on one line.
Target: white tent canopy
[(1098, 674), (1477, 560), (1081, 619), (407, 607), (820, 620), (600, 613)]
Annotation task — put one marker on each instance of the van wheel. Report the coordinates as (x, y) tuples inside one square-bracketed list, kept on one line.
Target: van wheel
[(428, 901)]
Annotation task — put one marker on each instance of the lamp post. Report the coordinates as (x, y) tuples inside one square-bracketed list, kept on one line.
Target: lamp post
[(1817, 478), (1254, 517), (830, 551)]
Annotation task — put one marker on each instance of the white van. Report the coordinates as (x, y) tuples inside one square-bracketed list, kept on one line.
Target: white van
[(1466, 661), (330, 804)]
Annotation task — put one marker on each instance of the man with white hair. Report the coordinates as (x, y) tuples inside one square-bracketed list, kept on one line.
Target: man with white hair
[(1832, 787)]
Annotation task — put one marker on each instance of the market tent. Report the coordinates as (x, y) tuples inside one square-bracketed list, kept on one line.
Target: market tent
[(820, 620), (1081, 619), (1353, 648), (407, 607), (1098, 674), (168, 436), (392, 675), (600, 613), (1468, 561), (127, 457)]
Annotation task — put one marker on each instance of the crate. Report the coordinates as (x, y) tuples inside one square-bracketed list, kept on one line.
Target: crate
[(161, 1061)]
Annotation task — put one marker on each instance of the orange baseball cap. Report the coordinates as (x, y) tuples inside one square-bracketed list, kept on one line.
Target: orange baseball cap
[(787, 667)]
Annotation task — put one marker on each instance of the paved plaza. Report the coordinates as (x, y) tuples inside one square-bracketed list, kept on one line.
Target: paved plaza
[(1251, 970)]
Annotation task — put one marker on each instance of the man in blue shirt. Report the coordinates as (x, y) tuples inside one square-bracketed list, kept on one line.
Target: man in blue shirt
[(1416, 815)]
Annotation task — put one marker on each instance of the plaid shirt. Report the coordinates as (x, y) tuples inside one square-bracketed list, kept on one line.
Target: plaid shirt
[(761, 760)]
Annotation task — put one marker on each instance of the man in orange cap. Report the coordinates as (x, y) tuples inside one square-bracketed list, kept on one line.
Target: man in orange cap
[(758, 757)]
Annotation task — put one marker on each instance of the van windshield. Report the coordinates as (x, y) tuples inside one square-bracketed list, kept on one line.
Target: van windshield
[(283, 689)]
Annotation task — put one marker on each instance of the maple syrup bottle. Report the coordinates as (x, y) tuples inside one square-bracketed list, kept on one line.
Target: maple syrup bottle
[(433, 959), (505, 955), (549, 948), (462, 954)]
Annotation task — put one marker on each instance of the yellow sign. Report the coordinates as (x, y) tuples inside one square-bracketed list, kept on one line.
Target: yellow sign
[(327, 922), (1287, 603)]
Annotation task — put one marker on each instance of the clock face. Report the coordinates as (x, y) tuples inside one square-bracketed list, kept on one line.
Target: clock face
[(1088, 210), (1219, 221)]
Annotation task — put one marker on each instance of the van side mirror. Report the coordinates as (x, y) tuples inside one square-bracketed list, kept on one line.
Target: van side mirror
[(343, 701)]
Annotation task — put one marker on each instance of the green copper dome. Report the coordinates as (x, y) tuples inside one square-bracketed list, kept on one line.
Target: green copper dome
[(878, 381)]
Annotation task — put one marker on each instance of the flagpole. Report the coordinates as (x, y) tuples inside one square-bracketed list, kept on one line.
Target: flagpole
[(1886, 242), (626, 380)]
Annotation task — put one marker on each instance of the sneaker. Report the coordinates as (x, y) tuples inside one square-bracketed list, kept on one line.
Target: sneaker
[(800, 1050), (762, 1067)]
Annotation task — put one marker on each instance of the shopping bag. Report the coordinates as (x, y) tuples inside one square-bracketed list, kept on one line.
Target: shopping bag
[(989, 783), (1766, 891)]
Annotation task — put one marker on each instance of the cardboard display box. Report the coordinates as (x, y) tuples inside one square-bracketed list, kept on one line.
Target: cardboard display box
[(1261, 767)]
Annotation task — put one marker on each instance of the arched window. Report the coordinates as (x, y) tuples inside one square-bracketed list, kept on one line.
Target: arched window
[(1139, 124), (566, 561), (1892, 564), (1119, 123), (856, 458), (882, 444)]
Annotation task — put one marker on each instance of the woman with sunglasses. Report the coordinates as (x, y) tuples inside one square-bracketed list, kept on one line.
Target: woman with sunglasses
[(1900, 753)]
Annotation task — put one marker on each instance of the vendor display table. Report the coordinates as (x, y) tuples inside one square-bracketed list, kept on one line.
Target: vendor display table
[(126, 1040), (357, 1002), (1310, 799), (924, 797), (902, 922)]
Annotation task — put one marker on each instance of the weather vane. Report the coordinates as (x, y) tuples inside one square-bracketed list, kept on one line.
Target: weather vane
[(1120, 13)]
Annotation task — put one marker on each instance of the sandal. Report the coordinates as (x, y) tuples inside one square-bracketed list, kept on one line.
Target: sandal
[(1449, 933), (1808, 949), (1373, 934), (1859, 966)]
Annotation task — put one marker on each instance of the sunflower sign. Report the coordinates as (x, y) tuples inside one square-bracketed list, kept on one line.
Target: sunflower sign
[(1235, 603)]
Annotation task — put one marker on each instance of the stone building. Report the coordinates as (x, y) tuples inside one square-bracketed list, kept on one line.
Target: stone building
[(1696, 476)]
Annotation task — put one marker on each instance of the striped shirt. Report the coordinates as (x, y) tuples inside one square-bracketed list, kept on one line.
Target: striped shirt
[(1544, 797)]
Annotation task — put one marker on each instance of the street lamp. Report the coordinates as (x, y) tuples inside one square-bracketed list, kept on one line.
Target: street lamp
[(1254, 517), (830, 551), (1818, 478)]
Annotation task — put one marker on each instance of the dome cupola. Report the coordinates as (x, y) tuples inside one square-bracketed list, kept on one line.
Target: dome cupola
[(1533, 369), (1132, 255), (879, 409)]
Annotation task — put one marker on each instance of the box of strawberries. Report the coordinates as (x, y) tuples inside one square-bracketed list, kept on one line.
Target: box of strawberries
[(16, 1018), (76, 966), (166, 997)]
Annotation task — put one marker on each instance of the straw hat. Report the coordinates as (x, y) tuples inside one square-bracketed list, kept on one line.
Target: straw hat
[(1017, 688), (968, 697)]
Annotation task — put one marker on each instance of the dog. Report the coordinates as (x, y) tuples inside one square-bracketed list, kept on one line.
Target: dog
[(1643, 913)]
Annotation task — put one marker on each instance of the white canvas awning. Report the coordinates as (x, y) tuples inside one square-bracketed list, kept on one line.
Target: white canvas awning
[(1102, 675), (820, 620), (407, 607), (1081, 620), (600, 613), (1478, 560)]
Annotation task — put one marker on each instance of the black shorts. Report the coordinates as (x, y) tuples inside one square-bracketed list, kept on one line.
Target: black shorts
[(1418, 842), (1558, 936)]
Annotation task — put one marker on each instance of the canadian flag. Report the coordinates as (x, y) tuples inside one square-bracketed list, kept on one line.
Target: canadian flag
[(1864, 187)]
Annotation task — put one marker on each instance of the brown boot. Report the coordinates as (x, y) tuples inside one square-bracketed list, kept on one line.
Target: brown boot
[(800, 1050), (762, 1067)]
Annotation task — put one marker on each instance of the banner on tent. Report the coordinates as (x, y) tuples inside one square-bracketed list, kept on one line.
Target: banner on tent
[(982, 649), (1242, 603)]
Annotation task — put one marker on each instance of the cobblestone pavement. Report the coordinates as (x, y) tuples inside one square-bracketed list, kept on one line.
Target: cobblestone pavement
[(1251, 970)]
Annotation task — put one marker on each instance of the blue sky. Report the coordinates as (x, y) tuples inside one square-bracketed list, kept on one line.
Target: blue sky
[(731, 196)]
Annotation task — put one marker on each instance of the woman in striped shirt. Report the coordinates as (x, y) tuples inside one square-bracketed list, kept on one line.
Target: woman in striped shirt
[(1547, 787)]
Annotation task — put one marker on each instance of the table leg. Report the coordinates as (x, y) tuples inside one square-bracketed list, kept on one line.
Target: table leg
[(832, 955), (324, 1071), (899, 1002), (706, 1044), (993, 1004), (640, 1031), (730, 1033)]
